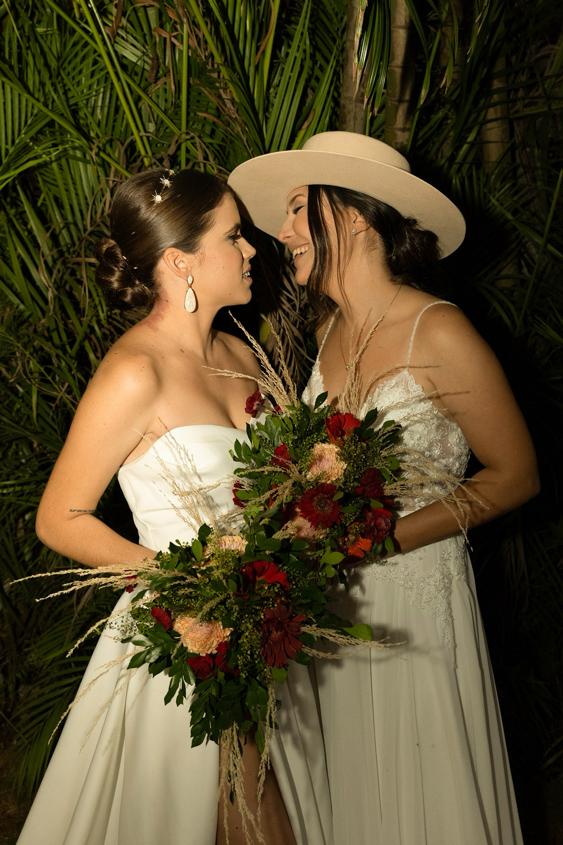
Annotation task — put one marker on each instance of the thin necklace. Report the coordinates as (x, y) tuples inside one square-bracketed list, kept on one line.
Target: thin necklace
[(351, 364)]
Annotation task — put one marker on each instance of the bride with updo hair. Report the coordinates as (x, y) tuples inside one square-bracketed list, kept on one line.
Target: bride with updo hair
[(123, 771)]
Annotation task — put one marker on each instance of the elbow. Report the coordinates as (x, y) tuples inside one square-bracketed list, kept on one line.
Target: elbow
[(46, 527), (42, 527), (526, 487), (534, 484)]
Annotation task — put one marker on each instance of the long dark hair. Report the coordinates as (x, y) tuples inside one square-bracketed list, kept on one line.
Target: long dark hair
[(150, 212), (411, 253)]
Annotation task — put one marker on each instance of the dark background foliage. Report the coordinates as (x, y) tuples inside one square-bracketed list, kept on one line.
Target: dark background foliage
[(470, 90)]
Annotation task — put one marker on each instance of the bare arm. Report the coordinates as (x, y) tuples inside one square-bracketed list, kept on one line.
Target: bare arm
[(474, 391), (108, 424)]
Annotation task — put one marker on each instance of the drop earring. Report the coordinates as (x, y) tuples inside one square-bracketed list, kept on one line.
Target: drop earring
[(190, 299)]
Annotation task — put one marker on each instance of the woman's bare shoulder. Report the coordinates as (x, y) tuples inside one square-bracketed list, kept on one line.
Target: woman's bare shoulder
[(463, 359), (129, 370), (444, 327)]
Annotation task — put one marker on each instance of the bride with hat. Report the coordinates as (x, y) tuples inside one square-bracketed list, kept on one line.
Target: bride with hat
[(413, 736)]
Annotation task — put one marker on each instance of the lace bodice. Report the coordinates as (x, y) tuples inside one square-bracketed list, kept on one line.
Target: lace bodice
[(425, 574), (425, 428), (183, 480)]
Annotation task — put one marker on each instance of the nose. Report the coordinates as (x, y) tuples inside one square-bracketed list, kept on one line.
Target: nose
[(286, 230), (248, 251)]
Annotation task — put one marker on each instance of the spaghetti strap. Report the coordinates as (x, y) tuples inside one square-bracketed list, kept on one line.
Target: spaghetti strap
[(326, 334), (416, 322)]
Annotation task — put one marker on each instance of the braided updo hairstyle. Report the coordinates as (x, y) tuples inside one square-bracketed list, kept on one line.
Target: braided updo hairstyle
[(411, 253), (151, 212)]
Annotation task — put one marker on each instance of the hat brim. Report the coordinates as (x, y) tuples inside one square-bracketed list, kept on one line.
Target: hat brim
[(263, 184)]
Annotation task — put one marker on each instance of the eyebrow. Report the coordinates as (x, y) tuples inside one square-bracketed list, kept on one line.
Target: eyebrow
[(234, 229), (295, 197)]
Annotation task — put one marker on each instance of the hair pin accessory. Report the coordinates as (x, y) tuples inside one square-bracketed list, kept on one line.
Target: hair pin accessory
[(166, 182)]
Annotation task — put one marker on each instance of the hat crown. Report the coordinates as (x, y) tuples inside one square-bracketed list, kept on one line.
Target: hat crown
[(356, 145)]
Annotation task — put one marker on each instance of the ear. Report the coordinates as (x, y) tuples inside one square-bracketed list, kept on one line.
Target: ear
[(357, 221), (176, 261)]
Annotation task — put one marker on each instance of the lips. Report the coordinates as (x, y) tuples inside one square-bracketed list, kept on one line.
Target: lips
[(300, 250)]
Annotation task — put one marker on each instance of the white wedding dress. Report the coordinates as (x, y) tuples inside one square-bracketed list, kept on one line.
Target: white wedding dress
[(123, 771), (413, 734)]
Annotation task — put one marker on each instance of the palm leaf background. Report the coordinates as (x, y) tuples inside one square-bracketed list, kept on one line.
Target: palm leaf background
[(92, 91)]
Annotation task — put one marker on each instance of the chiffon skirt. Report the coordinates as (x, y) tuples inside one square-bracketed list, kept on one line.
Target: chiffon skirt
[(414, 740)]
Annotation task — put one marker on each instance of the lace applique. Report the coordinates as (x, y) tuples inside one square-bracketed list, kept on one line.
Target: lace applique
[(427, 430), (428, 590)]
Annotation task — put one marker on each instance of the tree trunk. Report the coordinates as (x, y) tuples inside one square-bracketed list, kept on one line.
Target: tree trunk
[(352, 102), (399, 78), (495, 131)]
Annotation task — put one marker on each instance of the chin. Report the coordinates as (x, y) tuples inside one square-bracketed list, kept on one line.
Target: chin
[(246, 297)]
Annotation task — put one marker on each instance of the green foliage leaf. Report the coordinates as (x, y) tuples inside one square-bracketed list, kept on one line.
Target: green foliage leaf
[(279, 675), (360, 631)]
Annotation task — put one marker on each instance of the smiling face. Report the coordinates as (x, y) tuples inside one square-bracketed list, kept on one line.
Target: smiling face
[(295, 234), (221, 265)]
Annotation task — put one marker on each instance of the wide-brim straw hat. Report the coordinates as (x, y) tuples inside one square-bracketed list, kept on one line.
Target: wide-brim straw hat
[(345, 160)]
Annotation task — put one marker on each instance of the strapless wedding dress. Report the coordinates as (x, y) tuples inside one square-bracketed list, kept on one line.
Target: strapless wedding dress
[(123, 771), (413, 734)]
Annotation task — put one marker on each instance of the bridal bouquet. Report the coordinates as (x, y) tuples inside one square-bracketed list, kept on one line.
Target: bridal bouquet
[(322, 475), (226, 614)]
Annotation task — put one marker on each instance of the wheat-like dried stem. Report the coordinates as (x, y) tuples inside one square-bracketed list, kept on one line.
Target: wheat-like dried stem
[(231, 778), (104, 669), (281, 389), (340, 639), (269, 726)]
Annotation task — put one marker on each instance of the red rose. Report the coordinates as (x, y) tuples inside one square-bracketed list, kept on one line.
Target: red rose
[(265, 570), (281, 457), (378, 523), (162, 616), (202, 665), (371, 484), (318, 506), (238, 502), (359, 547), (221, 656), (339, 426), (280, 635), (254, 404)]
